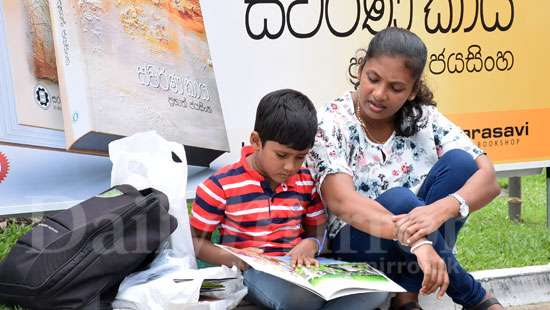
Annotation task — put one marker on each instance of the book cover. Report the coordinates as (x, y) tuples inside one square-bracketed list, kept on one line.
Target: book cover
[(128, 66), (332, 279), (30, 106), (32, 60)]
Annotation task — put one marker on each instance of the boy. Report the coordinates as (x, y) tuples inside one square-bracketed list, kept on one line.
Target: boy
[(266, 202)]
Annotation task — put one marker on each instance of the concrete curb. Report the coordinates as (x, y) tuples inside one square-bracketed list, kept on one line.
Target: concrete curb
[(512, 287)]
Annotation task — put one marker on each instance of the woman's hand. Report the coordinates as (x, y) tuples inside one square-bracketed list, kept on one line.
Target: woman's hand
[(434, 269), (421, 221), (303, 254)]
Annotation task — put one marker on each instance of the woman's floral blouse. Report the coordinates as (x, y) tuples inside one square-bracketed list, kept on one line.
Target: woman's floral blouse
[(341, 146)]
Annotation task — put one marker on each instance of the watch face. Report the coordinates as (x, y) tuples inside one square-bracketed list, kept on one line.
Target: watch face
[(464, 210)]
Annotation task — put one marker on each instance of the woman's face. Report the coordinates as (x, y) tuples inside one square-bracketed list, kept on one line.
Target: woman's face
[(384, 87)]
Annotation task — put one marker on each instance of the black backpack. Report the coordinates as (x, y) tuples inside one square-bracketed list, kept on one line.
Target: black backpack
[(76, 258)]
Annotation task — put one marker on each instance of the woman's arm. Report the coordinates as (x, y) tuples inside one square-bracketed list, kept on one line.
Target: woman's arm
[(365, 214)]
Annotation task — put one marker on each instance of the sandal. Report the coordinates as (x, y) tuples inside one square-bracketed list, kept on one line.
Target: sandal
[(484, 305)]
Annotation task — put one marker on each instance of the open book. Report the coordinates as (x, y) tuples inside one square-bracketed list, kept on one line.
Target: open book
[(332, 279)]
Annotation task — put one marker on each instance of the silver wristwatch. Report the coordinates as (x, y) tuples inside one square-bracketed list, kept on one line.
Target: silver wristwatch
[(464, 208)]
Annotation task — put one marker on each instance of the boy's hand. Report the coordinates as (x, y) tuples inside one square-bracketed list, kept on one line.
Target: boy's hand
[(303, 254)]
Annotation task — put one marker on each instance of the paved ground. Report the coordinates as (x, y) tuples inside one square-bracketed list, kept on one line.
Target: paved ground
[(545, 306)]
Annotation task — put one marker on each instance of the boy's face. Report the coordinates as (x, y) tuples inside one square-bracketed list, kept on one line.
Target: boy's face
[(275, 161)]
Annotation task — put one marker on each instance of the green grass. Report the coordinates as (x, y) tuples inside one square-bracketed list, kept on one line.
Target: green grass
[(8, 236), (489, 240), (8, 308)]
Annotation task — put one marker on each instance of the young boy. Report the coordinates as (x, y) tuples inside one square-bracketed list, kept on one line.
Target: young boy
[(266, 202)]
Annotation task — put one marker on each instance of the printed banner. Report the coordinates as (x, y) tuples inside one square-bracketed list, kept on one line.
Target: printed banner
[(486, 60)]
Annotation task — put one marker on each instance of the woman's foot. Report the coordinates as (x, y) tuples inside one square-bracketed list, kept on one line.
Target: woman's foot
[(405, 301), (489, 302)]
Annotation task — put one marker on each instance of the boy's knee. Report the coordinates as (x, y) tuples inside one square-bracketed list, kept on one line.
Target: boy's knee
[(275, 293), (300, 299), (399, 200), (294, 299)]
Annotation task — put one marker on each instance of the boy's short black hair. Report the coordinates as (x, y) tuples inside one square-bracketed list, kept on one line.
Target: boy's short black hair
[(288, 117)]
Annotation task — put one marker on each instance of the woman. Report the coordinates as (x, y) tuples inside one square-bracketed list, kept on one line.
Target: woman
[(399, 178)]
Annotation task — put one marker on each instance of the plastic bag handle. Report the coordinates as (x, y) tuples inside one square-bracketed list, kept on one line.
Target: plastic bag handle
[(179, 152)]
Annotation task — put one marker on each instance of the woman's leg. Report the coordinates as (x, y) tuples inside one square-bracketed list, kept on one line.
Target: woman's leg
[(396, 261), (354, 245), (447, 176)]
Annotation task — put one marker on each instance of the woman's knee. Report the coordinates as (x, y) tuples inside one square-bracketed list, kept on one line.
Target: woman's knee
[(399, 200), (461, 161)]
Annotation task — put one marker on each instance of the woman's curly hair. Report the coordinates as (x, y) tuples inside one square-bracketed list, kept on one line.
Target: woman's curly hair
[(399, 42)]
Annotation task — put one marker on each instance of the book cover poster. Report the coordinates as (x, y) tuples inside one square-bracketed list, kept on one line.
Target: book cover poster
[(32, 62), (147, 66)]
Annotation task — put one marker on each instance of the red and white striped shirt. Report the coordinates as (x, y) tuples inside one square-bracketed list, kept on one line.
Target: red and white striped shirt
[(239, 201)]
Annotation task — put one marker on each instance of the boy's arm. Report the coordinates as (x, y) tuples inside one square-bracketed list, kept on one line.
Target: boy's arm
[(208, 252), (313, 236), (314, 221), (208, 211)]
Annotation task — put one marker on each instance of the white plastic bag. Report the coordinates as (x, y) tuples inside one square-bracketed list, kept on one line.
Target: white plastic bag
[(145, 160), (167, 284)]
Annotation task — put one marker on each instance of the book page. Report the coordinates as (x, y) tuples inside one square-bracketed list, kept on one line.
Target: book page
[(275, 266), (337, 278)]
